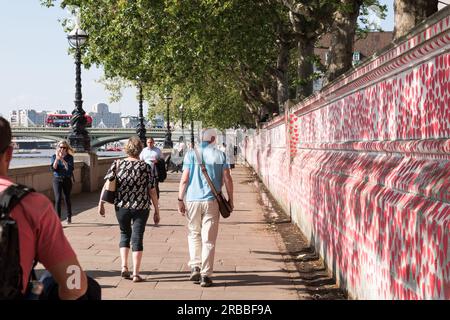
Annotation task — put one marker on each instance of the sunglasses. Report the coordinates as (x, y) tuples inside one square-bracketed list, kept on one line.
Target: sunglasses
[(62, 147)]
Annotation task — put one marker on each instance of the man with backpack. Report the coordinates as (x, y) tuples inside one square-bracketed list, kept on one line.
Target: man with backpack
[(153, 156), (31, 232)]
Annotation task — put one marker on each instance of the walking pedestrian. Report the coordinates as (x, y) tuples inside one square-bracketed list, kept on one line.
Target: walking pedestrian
[(230, 156), (40, 239), (201, 208), (135, 193), (62, 166), (177, 156), (151, 155), (181, 147)]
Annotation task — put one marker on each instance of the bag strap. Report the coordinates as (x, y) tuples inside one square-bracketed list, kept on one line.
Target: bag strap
[(205, 173), (10, 197), (116, 167)]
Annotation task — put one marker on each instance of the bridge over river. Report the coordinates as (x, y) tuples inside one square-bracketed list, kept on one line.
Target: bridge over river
[(98, 136)]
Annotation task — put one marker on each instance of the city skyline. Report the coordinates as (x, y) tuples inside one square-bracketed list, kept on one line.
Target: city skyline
[(100, 114), (37, 71)]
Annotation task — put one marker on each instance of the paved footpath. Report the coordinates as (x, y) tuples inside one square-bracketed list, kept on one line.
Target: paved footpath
[(249, 263)]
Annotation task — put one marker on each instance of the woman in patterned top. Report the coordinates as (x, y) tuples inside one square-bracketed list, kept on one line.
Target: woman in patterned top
[(135, 188)]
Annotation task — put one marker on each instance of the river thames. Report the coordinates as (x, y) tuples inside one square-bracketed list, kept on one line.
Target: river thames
[(42, 156)]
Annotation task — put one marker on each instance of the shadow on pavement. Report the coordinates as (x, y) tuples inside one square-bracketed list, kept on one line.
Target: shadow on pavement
[(313, 275)]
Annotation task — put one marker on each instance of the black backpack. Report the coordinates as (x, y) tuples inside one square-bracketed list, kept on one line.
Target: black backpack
[(11, 271), (161, 170)]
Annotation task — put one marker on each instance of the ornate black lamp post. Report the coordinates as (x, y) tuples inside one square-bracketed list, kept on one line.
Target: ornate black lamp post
[(78, 137), (141, 131), (192, 133), (182, 120), (168, 138)]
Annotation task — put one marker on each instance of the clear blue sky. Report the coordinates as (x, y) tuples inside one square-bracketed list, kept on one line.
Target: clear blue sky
[(36, 70)]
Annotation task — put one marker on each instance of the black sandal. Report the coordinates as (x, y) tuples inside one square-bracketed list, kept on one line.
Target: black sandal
[(125, 273)]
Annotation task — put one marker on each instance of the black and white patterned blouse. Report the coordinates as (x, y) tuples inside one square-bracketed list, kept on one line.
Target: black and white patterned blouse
[(134, 178)]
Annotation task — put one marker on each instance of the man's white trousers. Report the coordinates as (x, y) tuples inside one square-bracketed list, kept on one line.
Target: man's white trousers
[(203, 225)]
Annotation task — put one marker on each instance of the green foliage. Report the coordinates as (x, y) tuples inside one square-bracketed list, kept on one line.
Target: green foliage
[(187, 45), (365, 25), (217, 57)]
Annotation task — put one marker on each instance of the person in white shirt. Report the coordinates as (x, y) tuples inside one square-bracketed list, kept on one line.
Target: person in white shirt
[(151, 154), (229, 152), (178, 153)]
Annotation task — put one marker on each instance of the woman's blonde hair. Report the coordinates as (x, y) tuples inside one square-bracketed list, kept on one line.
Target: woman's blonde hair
[(66, 144), (134, 147)]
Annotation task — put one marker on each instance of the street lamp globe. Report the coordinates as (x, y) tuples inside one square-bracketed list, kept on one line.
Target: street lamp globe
[(168, 98), (77, 37)]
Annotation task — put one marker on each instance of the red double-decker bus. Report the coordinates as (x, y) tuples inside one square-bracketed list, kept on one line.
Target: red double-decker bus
[(57, 120)]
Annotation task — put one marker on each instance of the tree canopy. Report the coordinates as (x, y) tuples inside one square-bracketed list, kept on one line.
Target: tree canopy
[(229, 62)]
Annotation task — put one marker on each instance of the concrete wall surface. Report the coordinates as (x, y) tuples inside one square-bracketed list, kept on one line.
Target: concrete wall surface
[(363, 167), (40, 178)]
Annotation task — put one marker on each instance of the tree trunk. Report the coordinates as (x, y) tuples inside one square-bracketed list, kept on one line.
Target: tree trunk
[(342, 39), (305, 68), (409, 13), (282, 75), (262, 97)]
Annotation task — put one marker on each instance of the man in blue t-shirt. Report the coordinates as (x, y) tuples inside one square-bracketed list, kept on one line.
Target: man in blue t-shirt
[(201, 207)]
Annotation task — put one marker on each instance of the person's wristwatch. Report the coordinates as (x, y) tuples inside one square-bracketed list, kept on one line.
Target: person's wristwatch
[(180, 199)]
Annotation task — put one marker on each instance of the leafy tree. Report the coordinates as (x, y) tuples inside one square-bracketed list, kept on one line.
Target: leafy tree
[(343, 31), (189, 45), (310, 19), (232, 58)]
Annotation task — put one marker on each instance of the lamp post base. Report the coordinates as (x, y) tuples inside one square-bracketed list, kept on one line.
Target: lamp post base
[(79, 142), (168, 144), (141, 132)]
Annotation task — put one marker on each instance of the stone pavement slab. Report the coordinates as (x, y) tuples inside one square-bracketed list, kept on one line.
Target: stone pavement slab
[(249, 263)]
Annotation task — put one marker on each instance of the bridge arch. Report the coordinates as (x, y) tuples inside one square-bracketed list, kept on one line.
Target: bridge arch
[(97, 143), (99, 137), (49, 137)]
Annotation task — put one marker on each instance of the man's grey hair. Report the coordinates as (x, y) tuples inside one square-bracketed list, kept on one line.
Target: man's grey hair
[(208, 133)]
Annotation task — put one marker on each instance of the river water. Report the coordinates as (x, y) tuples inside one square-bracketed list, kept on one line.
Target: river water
[(42, 156)]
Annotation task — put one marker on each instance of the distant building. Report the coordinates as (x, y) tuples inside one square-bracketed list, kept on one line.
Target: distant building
[(100, 114), (101, 125), (27, 118), (363, 48), (129, 122)]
